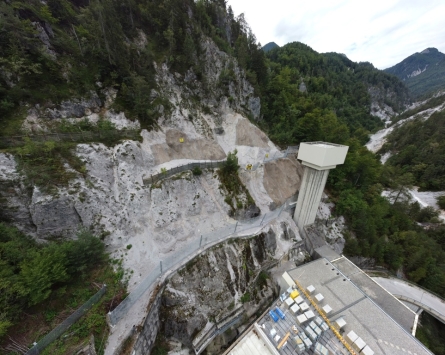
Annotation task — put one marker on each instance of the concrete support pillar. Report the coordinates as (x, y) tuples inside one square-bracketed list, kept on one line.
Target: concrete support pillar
[(309, 196), (318, 158)]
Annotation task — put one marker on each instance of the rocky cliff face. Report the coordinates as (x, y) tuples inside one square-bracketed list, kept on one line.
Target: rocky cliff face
[(225, 87), (221, 284), (385, 103), (110, 197)]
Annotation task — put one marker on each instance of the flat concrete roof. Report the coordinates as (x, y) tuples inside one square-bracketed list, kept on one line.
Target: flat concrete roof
[(362, 315), (325, 251), (391, 305), (253, 343), (322, 155), (259, 339)]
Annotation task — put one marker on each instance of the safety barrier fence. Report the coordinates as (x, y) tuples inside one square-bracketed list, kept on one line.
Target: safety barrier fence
[(232, 318), (68, 322), (433, 312), (82, 136), (292, 149), (211, 164), (191, 248), (175, 260), (393, 275)]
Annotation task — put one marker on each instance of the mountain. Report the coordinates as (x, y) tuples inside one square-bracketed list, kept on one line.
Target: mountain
[(111, 99), (314, 96), (416, 144), (268, 47), (423, 73)]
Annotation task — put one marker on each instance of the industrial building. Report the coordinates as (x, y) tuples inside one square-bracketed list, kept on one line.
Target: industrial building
[(332, 307)]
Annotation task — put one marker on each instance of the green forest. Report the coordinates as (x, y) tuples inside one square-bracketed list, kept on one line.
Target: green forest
[(305, 96), (418, 148), (336, 104), (41, 284), (90, 42), (336, 108), (387, 231)]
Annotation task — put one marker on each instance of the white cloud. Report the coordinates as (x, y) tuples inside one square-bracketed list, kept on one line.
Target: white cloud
[(383, 32)]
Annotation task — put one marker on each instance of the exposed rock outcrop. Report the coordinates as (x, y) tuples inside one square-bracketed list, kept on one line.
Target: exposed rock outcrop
[(221, 284), (385, 102)]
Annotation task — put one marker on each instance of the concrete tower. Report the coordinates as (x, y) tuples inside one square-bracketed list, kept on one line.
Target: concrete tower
[(318, 158)]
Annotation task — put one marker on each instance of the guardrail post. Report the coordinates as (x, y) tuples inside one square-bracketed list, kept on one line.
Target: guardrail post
[(281, 210), (236, 225), (200, 241), (262, 220), (160, 263)]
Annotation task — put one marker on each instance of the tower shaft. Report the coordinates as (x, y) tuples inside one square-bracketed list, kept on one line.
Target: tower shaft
[(309, 196)]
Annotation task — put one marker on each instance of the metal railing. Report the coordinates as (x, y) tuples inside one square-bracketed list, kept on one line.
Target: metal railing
[(176, 260), (68, 322), (433, 312), (393, 275), (292, 149), (211, 164), (82, 136)]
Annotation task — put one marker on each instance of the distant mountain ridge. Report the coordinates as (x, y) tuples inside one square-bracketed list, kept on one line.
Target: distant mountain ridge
[(423, 73), (269, 46)]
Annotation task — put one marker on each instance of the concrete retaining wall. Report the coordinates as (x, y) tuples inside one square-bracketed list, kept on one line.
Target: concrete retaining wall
[(147, 336)]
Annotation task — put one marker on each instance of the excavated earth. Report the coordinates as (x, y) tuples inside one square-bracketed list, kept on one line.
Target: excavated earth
[(282, 178)]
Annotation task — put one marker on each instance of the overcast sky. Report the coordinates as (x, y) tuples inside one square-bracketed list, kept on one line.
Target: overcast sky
[(383, 32)]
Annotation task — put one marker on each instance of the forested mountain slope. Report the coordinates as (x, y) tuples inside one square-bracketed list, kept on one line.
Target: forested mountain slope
[(423, 73), (312, 96), (60, 49), (418, 147)]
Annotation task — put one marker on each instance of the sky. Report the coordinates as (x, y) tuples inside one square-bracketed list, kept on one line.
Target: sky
[(383, 32)]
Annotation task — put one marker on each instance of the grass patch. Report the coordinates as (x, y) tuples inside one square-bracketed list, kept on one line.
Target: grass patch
[(431, 333), (11, 124), (197, 171), (237, 195), (43, 164), (160, 346), (245, 298), (262, 279), (94, 321)]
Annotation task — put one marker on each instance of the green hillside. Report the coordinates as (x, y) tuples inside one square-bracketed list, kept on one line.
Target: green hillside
[(312, 96), (423, 73), (334, 105), (418, 148), (59, 49)]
